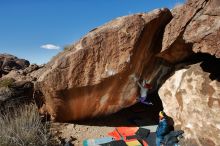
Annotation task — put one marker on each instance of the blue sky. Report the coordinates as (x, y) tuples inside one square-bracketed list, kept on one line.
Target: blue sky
[(38, 29)]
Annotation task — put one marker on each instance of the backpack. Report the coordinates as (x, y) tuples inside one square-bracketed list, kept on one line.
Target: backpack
[(172, 138)]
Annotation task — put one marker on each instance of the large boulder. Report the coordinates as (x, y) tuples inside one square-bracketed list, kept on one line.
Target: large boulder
[(10, 62), (94, 76), (195, 27), (203, 31), (192, 97)]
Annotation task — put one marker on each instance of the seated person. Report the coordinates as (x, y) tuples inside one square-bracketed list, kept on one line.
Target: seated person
[(163, 128)]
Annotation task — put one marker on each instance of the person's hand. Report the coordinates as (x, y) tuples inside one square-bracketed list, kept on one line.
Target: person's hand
[(133, 77)]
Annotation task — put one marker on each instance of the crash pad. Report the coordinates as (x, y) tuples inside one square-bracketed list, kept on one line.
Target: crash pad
[(122, 132), (134, 143), (97, 141), (115, 143)]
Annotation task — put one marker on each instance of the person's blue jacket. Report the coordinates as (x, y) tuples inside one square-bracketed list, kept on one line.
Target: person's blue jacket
[(163, 128)]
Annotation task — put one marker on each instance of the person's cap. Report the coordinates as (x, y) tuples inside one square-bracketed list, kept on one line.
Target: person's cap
[(162, 114)]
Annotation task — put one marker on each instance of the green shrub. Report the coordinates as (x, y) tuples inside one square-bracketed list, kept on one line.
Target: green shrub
[(6, 82), (23, 127)]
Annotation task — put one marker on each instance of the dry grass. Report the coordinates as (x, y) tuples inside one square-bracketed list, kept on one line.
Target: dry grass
[(67, 47), (6, 82), (23, 127)]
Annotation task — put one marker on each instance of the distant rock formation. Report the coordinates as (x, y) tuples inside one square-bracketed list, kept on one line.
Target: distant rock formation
[(94, 76), (10, 62), (16, 81)]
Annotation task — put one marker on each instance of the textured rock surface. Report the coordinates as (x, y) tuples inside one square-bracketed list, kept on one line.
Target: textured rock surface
[(191, 96), (193, 100), (196, 27), (16, 84), (14, 92), (30, 69), (10, 62), (204, 29), (93, 77), (19, 76)]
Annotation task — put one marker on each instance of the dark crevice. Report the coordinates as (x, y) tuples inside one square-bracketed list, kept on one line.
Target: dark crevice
[(209, 63)]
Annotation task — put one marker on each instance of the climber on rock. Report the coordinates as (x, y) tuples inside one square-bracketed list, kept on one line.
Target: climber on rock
[(144, 88)]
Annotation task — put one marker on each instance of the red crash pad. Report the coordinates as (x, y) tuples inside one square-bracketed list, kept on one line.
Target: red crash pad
[(122, 132)]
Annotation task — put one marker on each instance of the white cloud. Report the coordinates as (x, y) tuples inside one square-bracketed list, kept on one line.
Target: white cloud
[(50, 47)]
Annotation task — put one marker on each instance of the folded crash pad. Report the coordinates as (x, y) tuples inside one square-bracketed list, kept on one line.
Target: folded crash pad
[(134, 143), (142, 133)]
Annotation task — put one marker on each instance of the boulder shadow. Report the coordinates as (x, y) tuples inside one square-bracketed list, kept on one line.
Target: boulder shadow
[(136, 115)]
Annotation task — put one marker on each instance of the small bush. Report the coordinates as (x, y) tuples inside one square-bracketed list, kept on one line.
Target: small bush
[(6, 82), (67, 47), (23, 127)]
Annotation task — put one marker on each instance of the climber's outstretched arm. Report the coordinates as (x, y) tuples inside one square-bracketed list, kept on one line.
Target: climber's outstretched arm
[(139, 85)]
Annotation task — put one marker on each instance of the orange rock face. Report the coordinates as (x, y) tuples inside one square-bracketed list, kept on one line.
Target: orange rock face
[(204, 29), (94, 76)]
